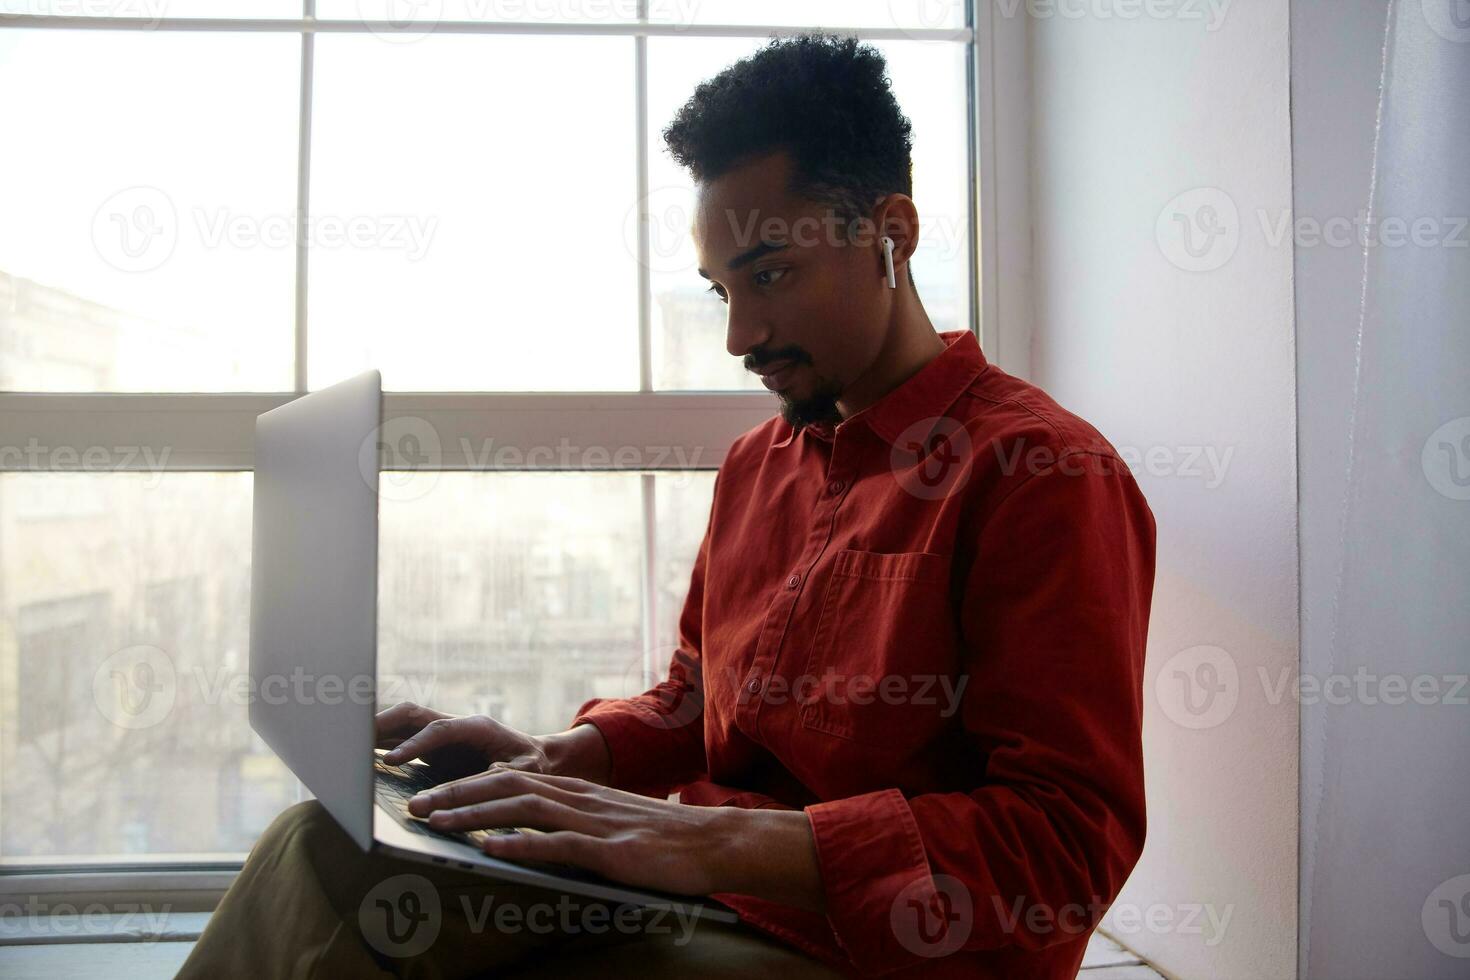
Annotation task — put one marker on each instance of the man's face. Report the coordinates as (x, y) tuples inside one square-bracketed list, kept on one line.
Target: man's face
[(804, 307)]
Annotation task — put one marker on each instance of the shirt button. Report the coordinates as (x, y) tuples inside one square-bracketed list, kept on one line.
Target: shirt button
[(793, 581), (835, 487), (753, 685)]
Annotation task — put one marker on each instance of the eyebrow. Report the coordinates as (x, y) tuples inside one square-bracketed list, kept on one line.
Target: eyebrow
[(745, 258)]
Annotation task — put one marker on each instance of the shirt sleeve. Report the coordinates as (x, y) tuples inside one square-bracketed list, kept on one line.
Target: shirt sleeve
[(1053, 622), (656, 739)]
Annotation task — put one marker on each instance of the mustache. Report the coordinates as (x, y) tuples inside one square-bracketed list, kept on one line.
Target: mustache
[(760, 358)]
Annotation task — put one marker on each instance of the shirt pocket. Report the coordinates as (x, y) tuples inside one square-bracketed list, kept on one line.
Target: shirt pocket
[(884, 659)]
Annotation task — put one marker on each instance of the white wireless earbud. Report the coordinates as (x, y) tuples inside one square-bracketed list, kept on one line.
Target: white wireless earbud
[(888, 262)]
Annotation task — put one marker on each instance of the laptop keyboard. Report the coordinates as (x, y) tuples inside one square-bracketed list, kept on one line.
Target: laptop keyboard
[(394, 786)]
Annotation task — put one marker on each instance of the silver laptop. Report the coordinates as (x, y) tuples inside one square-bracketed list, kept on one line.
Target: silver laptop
[(313, 629)]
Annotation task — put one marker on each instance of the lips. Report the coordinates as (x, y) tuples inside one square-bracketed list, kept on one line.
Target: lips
[(777, 376)]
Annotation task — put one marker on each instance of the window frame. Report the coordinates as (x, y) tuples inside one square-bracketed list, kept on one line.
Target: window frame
[(214, 431)]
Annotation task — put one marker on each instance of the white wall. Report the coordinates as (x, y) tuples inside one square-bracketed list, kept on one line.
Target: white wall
[(1177, 353)]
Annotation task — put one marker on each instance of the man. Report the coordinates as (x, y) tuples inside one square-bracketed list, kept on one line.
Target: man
[(904, 715)]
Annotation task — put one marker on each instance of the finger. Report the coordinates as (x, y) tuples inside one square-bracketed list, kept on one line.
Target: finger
[(498, 783), (572, 784), (390, 720), (529, 810), (561, 847), (438, 733), (403, 718), (591, 794)]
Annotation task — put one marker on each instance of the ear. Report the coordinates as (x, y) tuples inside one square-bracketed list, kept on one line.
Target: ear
[(898, 218)]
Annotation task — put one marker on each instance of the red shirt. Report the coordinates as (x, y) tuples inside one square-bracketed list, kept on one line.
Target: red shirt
[(925, 627)]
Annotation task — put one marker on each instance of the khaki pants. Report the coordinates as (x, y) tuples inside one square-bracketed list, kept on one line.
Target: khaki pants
[(310, 904)]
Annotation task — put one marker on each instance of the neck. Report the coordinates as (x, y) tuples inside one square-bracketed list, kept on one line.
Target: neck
[(911, 342)]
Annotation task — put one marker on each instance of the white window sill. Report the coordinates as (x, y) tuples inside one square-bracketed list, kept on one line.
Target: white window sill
[(52, 924)]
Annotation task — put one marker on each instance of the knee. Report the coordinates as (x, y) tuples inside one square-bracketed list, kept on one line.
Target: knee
[(306, 815), (306, 821)]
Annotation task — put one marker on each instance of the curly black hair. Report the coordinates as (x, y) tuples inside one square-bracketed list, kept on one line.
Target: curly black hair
[(823, 98)]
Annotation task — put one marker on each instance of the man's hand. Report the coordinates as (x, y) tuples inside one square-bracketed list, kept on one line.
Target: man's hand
[(463, 745), (634, 839), (556, 784)]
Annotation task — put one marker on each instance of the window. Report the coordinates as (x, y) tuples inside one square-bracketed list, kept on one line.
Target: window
[(131, 632), (524, 591), (203, 215), (127, 202)]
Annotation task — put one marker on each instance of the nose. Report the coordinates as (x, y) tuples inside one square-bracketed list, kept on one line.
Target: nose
[(743, 333)]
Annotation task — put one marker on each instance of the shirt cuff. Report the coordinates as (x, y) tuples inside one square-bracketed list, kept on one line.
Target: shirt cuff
[(874, 869), (646, 748)]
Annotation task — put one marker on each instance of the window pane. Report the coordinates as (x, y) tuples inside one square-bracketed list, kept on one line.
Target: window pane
[(145, 219), (124, 606), (906, 14), (517, 595), (490, 184), (688, 326), (929, 83), (688, 321), (683, 502), (124, 616), (412, 19)]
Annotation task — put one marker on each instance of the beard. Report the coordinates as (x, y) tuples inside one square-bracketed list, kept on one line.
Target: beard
[(818, 407)]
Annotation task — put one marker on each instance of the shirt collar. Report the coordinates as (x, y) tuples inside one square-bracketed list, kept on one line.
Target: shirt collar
[(925, 396)]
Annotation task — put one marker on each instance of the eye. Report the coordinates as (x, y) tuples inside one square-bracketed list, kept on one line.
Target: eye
[(769, 272), (717, 292)]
